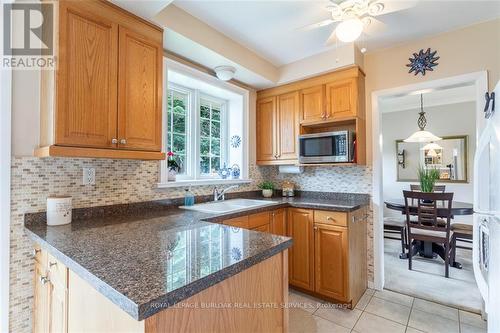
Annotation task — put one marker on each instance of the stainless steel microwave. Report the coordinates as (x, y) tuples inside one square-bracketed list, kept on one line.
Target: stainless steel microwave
[(328, 147)]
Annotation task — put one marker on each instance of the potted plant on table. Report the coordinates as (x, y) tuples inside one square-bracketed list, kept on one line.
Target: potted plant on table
[(267, 189), (173, 166), (427, 178)]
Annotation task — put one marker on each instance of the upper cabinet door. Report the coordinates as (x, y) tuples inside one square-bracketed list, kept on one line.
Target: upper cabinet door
[(140, 91), (87, 78), (312, 104), (266, 129), (288, 126), (341, 99)]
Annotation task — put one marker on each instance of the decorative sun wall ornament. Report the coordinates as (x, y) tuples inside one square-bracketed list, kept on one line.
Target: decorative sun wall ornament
[(235, 141), (423, 61)]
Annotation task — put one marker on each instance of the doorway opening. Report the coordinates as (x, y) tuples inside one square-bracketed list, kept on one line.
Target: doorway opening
[(453, 109)]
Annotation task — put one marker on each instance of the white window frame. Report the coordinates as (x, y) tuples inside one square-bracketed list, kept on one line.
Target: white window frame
[(224, 131), (191, 100), (245, 94)]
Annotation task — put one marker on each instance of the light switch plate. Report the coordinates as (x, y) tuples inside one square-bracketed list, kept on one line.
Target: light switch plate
[(88, 176)]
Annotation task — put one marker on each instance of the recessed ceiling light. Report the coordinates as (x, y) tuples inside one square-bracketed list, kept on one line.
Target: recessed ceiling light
[(225, 73)]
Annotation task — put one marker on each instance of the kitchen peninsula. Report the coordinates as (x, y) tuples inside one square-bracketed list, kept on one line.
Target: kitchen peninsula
[(152, 267)]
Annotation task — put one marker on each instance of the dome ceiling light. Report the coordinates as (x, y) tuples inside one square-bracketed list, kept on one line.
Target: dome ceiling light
[(225, 73), (422, 136)]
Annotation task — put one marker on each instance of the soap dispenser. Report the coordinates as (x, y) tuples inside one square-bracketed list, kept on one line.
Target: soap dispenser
[(188, 197)]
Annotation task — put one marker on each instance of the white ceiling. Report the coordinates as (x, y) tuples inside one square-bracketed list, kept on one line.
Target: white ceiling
[(443, 96), (269, 28)]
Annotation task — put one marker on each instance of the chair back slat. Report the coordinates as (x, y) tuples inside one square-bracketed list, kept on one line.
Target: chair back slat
[(429, 215)]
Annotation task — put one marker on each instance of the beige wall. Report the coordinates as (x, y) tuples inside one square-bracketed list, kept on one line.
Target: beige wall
[(471, 49)]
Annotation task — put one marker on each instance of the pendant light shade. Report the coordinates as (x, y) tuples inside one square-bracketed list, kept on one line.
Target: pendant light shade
[(430, 146), (422, 136)]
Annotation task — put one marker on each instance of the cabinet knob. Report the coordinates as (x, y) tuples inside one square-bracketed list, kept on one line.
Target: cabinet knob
[(123, 141), (114, 141), (315, 228), (44, 279)]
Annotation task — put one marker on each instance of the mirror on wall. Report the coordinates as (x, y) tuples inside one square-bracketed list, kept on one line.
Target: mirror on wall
[(448, 155)]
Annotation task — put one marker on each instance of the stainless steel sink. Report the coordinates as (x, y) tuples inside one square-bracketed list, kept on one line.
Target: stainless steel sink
[(229, 206)]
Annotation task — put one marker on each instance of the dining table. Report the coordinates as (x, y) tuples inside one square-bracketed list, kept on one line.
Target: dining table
[(424, 248)]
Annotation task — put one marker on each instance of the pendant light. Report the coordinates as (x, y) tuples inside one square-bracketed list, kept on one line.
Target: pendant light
[(422, 135), (430, 146)]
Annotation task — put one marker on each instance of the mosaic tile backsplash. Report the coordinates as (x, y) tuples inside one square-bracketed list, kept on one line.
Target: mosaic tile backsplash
[(125, 181)]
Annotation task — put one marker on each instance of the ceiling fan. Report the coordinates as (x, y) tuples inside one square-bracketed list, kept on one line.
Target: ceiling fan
[(353, 17)]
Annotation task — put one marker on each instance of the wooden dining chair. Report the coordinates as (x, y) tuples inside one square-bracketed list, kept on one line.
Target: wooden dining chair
[(429, 226)]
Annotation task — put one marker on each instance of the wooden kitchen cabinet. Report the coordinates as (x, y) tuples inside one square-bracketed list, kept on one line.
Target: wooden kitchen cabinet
[(40, 300), (288, 127), (266, 130), (341, 99), (104, 97), (330, 102), (50, 310), (87, 78), (278, 129), (139, 103), (330, 261), (312, 104), (301, 254), (278, 222)]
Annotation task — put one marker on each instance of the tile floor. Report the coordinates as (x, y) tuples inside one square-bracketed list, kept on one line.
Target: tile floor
[(427, 280), (380, 311)]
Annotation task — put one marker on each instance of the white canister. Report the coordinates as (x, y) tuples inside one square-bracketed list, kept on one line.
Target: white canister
[(59, 210)]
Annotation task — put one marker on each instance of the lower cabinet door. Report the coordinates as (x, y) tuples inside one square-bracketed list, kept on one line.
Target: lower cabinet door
[(301, 254), (330, 260), (58, 319), (278, 222), (41, 300)]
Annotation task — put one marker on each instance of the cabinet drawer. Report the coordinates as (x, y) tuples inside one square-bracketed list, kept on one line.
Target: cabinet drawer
[(263, 228), (240, 222), (256, 220), (332, 218)]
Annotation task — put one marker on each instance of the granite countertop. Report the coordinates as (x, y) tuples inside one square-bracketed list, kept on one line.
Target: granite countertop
[(146, 257)]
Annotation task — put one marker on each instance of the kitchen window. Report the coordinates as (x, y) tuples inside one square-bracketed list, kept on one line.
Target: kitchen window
[(189, 112), (206, 127)]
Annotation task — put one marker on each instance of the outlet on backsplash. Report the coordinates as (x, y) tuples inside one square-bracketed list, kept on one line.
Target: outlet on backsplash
[(88, 176)]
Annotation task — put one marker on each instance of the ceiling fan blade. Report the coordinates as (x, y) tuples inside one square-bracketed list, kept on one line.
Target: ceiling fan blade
[(394, 6), (332, 39), (316, 25), (373, 26)]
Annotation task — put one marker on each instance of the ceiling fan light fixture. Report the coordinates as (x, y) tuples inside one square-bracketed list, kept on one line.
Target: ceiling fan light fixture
[(349, 30), (225, 73)]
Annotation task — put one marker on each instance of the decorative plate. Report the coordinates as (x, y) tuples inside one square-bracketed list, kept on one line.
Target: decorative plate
[(235, 141), (423, 61)]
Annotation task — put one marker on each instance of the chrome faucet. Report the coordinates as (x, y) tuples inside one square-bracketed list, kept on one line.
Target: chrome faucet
[(220, 194)]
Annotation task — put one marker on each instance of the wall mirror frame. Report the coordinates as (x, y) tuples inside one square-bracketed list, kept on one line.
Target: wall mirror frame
[(407, 162)]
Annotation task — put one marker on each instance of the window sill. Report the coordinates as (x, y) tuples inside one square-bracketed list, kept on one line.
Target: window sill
[(198, 182)]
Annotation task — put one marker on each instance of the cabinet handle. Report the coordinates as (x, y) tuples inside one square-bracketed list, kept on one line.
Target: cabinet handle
[(123, 141), (52, 264), (44, 279), (114, 141), (329, 218)]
